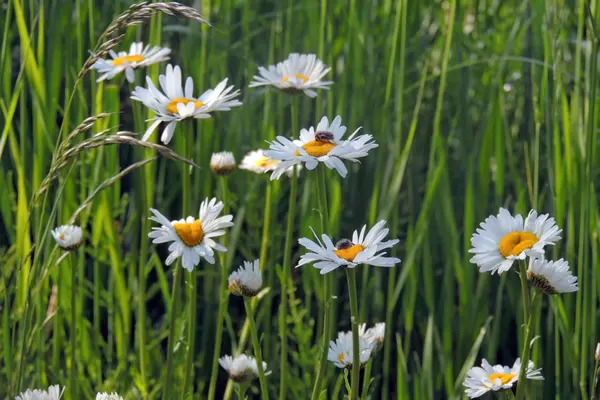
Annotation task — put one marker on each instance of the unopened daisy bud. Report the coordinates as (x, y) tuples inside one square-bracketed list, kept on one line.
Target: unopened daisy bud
[(597, 354), (53, 393), (242, 368), (552, 277), (107, 396), (68, 237), (222, 163), (247, 280)]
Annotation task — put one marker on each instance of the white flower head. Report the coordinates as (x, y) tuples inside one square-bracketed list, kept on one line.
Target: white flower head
[(340, 351), (192, 238), (502, 239), (247, 280), (138, 56), (361, 250), (222, 163), (108, 396), (376, 335), (256, 161), (53, 393), (242, 368), (481, 380), (68, 237), (552, 277), (300, 72), (321, 145), (176, 103)]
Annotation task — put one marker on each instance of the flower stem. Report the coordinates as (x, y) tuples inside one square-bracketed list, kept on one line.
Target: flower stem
[(189, 361), (73, 374), (287, 265), (167, 391), (256, 345), (366, 380), (351, 275), (522, 385), (322, 363)]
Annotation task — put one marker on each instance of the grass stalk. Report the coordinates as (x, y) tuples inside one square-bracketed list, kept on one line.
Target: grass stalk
[(264, 392)]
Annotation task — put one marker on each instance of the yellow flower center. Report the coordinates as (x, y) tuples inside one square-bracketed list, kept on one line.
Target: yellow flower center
[(62, 236), (190, 233), (127, 59), (349, 253), (265, 162), (304, 78), (317, 148), (172, 106), (341, 357), (515, 243), (504, 378)]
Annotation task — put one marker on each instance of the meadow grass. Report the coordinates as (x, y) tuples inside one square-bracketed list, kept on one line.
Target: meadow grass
[(475, 105)]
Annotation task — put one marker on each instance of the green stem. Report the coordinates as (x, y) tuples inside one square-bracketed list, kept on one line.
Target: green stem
[(522, 386), (594, 380), (287, 265), (322, 363), (189, 361), (73, 377), (351, 275), (367, 378), (264, 244), (256, 345), (167, 392)]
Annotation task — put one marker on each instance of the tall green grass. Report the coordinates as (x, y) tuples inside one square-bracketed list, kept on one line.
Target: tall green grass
[(474, 104)]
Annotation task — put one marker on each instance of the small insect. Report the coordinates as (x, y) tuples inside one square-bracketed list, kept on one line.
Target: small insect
[(343, 244), (324, 136)]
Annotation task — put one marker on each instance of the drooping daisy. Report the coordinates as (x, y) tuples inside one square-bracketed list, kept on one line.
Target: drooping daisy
[(108, 396), (323, 144), (300, 72), (340, 351), (175, 103), (68, 237), (247, 280), (138, 56), (502, 239), (481, 380), (192, 238), (376, 335), (361, 250), (53, 393), (552, 277), (256, 161), (222, 163), (242, 368)]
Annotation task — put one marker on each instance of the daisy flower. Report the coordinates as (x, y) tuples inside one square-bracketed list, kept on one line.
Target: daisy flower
[(192, 238), (481, 380), (376, 335), (300, 72), (361, 250), (175, 103), (241, 368), (323, 144), (552, 277), (502, 239), (53, 393), (68, 237), (340, 351), (256, 161), (222, 163), (138, 56), (247, 280), (107, 396)]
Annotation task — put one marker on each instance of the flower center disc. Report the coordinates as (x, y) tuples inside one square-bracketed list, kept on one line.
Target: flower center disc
[(172, 106), (341, 357), (127, 59), (349, 253), (504, 378), (515, 243), (190, 233), (265, 162), (303, 78), (317, 148), (62, 236)]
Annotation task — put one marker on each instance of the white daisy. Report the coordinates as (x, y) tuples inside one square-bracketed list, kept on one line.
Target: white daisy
[(138, 56), (552, 277), (503, 239), (242, 368), (192, 238), (222, 163), (376, 335), (107, 396), (53, 393), (340, 351), (323, 144), (68, 237), (175, 103), (300, 72), (256, 161), (247, 280), (481, 380), (361, 250)]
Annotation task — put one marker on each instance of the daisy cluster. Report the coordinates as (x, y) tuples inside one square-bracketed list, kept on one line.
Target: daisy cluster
[(369, 342)]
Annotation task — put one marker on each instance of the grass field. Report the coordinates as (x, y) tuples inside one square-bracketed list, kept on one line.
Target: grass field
[(475, 105)]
